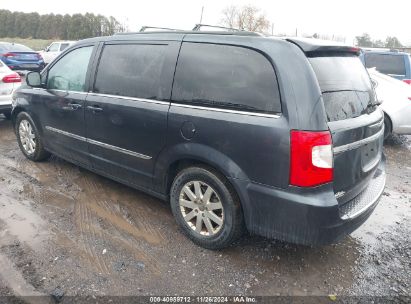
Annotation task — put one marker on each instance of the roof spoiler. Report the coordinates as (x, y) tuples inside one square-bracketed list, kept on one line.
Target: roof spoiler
[(315, 46)]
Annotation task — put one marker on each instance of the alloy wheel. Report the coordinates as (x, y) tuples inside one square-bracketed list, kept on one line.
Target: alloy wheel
[(201, 208), (27, 136)]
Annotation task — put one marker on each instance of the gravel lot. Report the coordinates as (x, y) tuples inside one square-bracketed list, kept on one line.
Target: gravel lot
[(66, 231)]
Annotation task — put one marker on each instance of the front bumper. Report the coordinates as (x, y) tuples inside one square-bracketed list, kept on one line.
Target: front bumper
[(308, 216)]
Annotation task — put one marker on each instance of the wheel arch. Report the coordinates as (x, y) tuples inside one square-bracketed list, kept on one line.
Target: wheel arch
[(173, 160)]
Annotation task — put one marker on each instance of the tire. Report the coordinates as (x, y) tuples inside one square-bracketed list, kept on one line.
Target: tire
[(387, 126), (222, 232), (7, 115), (24, 126)]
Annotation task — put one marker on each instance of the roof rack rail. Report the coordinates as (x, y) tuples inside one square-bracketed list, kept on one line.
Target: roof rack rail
[(198, 27), (144, 28)]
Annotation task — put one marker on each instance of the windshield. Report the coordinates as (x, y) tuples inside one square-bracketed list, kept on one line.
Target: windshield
[(345, 85)]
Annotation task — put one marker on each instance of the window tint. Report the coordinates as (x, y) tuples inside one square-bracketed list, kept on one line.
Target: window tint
[(386, 64), (345, 84), (226, 76), (132, 70), (63, 46), (54, 47), (69, 73)]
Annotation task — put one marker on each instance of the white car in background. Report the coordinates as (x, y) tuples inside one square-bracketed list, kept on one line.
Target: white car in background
[(395, 96), (54, 49), (9, 81)]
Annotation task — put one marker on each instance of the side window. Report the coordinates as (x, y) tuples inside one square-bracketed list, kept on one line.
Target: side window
[(63, 46), (132, 70), (225, 76), (54, 47), (69, 73)]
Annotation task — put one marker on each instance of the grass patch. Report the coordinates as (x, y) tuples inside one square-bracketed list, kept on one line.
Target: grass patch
[(35, 44)]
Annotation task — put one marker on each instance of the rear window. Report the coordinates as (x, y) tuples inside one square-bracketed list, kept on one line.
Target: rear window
[(14, 47), (386, 64), (345, 85), (228, 77)]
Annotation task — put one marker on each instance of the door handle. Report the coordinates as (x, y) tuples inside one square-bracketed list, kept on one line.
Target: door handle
[(95, 109), (75, 106), (72, 107)]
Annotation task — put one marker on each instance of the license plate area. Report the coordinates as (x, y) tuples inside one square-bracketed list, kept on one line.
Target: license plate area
[(29, 66), (370, 154)]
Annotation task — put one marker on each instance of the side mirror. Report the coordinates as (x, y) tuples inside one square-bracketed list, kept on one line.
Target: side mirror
[(33, 79)]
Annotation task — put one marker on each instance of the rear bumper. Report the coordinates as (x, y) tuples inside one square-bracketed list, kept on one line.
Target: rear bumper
[(5, 103), (309, 216), (36, 66), (401, 120)]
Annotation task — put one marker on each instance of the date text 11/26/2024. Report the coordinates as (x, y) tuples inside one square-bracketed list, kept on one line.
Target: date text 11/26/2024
[(206, 299)]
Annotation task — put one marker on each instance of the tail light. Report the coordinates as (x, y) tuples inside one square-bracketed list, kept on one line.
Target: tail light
[(11, 78), (39, 56), (311, 158), (407, 81), (9, 55)]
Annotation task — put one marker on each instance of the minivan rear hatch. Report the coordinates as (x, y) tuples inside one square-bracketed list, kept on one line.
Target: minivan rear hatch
[(355, 122)]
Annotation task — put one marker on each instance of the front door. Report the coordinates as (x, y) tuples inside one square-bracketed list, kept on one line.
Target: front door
[(61, 105), (126, 114)]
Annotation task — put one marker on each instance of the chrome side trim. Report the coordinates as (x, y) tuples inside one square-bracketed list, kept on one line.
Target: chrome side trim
[(98, 143), (226, 110), (130, 98), (78, 137), (359, 143), (118, 149), (63, 91)]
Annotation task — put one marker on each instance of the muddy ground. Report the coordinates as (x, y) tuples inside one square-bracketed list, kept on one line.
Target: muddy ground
[(66, 231)]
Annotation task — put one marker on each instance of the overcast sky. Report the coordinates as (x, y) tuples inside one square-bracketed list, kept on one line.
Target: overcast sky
[(344, 18)]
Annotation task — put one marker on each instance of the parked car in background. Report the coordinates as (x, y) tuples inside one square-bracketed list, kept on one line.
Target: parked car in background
[(395, 96), (19, 57), (282, 137), (392, 63), (54, 49), (9, 81)]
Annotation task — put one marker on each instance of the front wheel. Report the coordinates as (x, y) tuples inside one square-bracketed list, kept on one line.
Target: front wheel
[(29, 138), (206, 207)]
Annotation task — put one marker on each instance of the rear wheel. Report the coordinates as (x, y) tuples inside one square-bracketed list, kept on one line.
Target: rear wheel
[(387, 126), (206, 208), (29, 138)]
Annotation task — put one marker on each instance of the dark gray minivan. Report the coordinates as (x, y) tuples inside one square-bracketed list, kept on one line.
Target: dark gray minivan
[(282, 137)]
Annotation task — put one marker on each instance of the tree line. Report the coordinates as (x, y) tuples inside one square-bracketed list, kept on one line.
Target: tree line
[(56, 26), (365, 40)]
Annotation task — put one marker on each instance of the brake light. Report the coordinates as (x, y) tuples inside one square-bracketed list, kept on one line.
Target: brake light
[(11, 78), (9, 55), (311, 158), (408, 81)]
